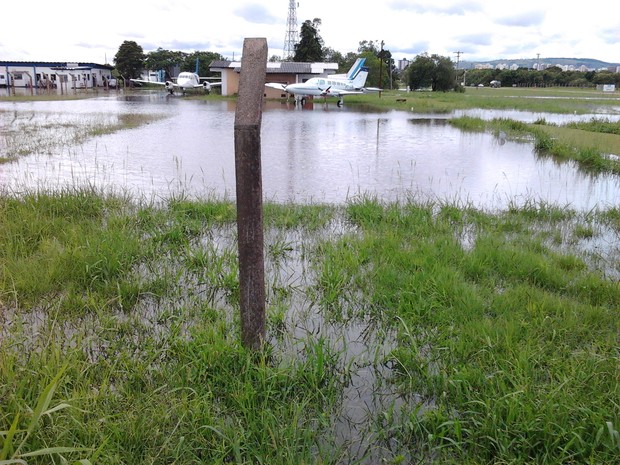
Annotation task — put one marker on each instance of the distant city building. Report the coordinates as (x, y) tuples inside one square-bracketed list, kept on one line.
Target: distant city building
[(402, 64), (45, 74)]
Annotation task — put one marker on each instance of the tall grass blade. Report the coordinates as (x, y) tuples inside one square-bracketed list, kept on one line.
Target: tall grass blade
[(45, 398), (54, 450), (8, 441)]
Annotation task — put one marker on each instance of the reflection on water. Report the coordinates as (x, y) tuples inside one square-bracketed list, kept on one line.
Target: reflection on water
[(327, 154)]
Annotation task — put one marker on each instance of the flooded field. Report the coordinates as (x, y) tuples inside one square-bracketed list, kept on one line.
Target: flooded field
[(395, 333), (325, 154)]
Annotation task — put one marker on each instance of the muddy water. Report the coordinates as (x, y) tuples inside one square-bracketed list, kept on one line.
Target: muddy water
[(326, 154)]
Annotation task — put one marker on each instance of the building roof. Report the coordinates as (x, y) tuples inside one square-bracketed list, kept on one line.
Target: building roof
[(60, 65), (284, 67)]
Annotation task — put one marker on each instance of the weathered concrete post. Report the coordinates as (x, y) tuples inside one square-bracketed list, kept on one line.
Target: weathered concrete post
[(249, 191)]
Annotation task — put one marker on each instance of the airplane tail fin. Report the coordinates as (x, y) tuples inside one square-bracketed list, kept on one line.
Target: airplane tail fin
[(360, 79), (356, 68)]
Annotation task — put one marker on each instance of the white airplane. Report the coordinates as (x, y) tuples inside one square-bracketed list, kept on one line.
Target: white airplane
[(184, 82), (335, 85)]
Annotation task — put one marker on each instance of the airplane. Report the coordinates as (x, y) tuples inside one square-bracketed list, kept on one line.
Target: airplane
[(335, 85), (185, 81)]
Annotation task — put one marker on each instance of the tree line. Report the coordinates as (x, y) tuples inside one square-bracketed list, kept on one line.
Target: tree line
[(433, 72), (550, 77), (130, 60)]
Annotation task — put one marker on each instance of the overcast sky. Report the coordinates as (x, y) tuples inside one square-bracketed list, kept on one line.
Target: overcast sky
[(92, 31)]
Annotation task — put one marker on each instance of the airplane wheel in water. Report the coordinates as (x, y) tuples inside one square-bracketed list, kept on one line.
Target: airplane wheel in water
[(303, 101)]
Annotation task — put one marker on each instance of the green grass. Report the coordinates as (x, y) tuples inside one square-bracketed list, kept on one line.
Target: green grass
[(124, 319), (556, 100)]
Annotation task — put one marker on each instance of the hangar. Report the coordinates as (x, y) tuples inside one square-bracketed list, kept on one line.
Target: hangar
[(52, 75)]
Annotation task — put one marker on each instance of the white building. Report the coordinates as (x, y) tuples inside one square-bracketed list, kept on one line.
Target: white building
[(50, 75)]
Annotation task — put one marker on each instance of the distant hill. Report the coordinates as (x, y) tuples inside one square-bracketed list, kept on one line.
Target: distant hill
[(589, 63)]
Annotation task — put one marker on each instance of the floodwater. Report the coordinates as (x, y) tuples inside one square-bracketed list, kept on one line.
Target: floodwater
[(320, 154)]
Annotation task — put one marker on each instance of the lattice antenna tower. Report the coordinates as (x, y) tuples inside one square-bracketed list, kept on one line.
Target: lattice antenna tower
[(291, 37)]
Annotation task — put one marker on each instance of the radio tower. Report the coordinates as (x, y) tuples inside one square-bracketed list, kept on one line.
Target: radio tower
[(291, 31)]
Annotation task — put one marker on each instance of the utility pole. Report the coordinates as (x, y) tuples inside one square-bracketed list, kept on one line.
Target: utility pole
[(458, 56), (290, 38), (381, 68)]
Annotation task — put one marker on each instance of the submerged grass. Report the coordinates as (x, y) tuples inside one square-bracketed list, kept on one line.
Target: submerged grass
[(513, 342), (25, 133), (588, 144), (506, 349)]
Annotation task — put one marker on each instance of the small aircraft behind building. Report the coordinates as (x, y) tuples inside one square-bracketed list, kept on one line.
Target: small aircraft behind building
[(184, 82), (336, 85)]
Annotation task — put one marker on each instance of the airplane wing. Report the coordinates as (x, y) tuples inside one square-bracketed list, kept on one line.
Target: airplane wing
[(276, 85), (143, 81), (363, 90), (338, 93)]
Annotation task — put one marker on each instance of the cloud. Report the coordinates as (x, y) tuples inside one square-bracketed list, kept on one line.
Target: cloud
[(610, 35), (527, 19), (257, 13), (412, 49), (458, 8), (188, 45), (476, 39)]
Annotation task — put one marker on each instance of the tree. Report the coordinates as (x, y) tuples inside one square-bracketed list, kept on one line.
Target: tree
[(310, 46), (129, 60), (420, 72), (369, 46), (433, 71), (445, 74), (386, 71), (379, 63), (332, 56), (204, 60), (347, 62), (604, 77), (166, 60)]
